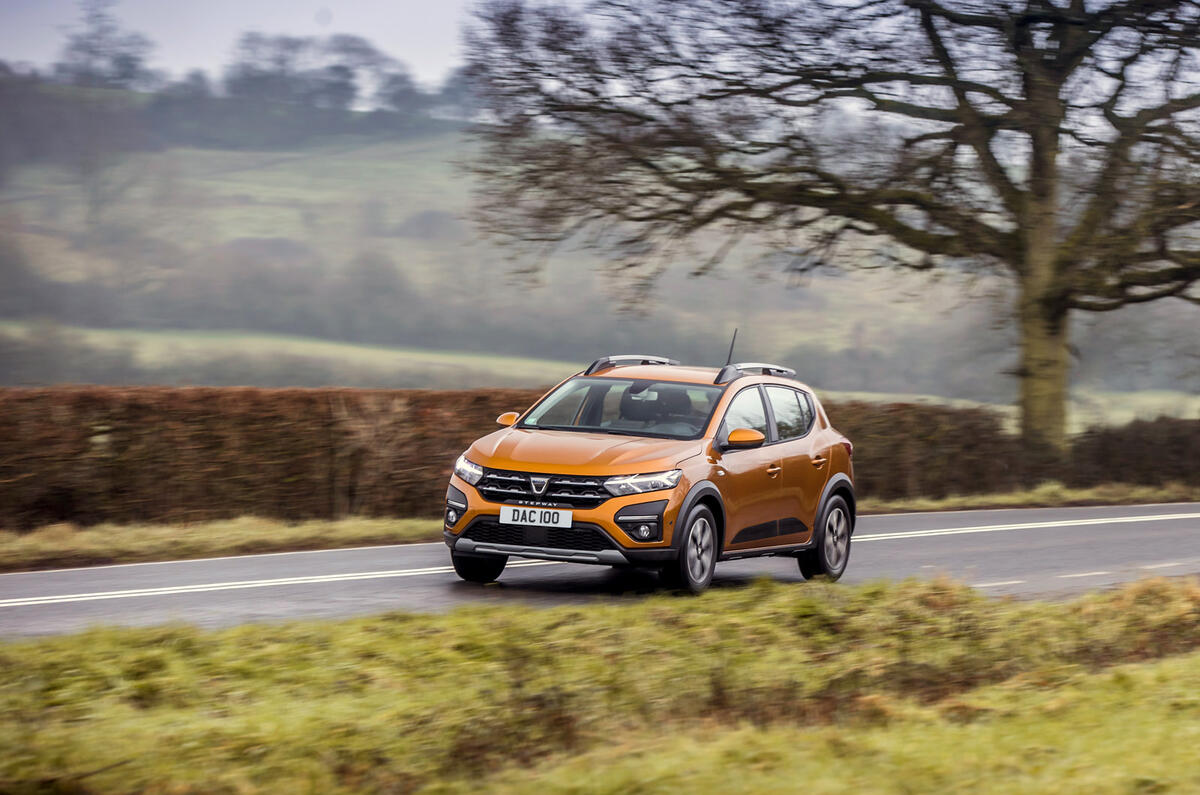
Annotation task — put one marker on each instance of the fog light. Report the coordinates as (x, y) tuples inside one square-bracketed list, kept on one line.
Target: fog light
[(643, 531), (451, 516)]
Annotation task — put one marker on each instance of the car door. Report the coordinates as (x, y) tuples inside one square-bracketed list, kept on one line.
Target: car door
[(749, 479), (805, 466)]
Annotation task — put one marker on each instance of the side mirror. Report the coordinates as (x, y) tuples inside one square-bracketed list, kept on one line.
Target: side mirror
[(509, 417), (744, 439)]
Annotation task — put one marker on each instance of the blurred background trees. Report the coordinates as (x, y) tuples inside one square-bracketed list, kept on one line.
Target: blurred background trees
[(1054, 144)]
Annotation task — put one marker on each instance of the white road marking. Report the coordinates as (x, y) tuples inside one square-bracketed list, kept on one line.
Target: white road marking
[(997, 584), (995, 528), (1163, 565), (1083, 574), (857, 537), (239, 585), (1032, 508), (228, 586)]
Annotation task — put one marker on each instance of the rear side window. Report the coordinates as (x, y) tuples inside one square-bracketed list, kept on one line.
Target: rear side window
[(746, 411), (793, 415)]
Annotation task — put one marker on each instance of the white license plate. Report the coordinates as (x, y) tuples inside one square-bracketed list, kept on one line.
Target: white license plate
[(542, 517)]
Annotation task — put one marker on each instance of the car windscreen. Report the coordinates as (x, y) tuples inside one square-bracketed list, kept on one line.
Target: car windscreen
[(632, 407)]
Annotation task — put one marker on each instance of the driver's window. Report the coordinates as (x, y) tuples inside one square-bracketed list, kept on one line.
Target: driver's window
[(746, 411)]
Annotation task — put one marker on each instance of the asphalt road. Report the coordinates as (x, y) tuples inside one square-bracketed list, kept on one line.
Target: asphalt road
[(1025, 552)]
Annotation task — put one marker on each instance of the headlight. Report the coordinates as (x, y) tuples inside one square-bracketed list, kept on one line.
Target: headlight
[(636, 484), (468, 470)]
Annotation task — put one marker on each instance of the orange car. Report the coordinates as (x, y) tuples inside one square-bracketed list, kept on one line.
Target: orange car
[(639, 462)]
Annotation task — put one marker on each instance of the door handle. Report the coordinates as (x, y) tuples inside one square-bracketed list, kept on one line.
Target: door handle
[(819, 462), (774, 470)]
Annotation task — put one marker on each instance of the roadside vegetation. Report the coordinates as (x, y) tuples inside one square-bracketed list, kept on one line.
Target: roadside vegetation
[(914, 686), (66, 545)]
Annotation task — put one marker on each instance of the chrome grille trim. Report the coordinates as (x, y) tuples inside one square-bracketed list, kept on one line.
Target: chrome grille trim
[(561, 491)]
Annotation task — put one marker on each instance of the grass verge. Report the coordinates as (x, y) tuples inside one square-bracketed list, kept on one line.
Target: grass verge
[(65, 545), (1046, 495), (399, 702)]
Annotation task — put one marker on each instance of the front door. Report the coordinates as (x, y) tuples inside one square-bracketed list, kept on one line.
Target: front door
[(749, 479)]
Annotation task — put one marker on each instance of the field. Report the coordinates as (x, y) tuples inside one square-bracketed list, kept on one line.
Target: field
[(174, 352), (158, 350), (907, 687)]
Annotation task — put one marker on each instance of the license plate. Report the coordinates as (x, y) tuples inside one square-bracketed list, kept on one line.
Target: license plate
[(541, 517)]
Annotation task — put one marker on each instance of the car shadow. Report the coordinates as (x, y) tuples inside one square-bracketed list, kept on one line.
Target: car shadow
[(580, 583)]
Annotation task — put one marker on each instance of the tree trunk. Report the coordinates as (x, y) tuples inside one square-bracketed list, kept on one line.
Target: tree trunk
[(1042, 308), (1045, 361)]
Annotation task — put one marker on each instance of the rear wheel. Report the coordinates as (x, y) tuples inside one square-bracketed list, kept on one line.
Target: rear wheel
[(828, 558), (478, 568), (693, 569)]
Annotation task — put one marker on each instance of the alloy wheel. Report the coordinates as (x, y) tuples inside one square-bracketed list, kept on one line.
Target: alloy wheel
[(700, 550), (837, 538)]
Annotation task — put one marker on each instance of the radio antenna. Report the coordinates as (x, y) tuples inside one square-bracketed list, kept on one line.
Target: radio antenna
[(731, 343)]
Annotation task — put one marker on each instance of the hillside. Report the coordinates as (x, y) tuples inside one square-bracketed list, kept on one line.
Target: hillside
[(368, 241)]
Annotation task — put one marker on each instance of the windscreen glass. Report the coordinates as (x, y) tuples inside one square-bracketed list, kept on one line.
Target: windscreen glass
[(633, 407)]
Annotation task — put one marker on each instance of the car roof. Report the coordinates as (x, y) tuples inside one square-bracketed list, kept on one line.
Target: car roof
[(704, 376)]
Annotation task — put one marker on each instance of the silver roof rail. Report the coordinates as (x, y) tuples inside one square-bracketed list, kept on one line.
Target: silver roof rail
[(731, 371), (625, 360)]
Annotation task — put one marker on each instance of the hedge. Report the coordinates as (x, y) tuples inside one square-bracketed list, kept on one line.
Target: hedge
[(152, 454)]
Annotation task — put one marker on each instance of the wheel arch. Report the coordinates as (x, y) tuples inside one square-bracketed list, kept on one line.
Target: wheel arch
[(840, 485), (706, 493)]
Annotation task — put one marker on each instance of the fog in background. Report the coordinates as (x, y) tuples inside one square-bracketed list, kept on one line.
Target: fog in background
[(222, 224)]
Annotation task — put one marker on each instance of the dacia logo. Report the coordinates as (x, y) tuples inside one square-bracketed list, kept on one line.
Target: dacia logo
[(538, 484)]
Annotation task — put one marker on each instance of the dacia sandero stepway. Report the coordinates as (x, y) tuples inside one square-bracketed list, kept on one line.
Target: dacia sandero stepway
[(637, 461)]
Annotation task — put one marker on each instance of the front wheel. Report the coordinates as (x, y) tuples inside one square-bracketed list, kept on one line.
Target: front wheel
[(697, 554), (831, 553), (478, 568)]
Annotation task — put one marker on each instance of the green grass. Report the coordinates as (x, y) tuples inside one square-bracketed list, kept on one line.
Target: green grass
[(65, 545), (398, 702), (1132, 729)]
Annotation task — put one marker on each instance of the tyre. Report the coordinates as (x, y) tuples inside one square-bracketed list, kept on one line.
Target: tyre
[(828, 558), (697, 553), (478, 568)]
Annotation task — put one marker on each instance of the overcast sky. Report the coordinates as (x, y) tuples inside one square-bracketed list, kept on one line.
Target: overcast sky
[(200, 33)]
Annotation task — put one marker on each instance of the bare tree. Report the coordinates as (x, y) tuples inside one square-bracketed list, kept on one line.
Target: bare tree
[(99, 54), (1053, 141)]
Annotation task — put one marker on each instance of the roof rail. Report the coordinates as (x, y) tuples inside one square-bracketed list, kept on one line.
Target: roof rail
[(731, 371), (626, 359)]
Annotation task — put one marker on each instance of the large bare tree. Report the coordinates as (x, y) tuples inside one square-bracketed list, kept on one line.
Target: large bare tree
[(1056, 142)]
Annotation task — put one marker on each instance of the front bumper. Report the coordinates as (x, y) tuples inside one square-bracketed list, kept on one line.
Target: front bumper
[(604, 557), (621, 549)]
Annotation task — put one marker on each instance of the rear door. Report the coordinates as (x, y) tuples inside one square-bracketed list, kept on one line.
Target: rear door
[(749, 479), (805, 467)]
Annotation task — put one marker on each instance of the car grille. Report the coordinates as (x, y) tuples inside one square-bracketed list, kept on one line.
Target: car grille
[(562, 491), (583, 537)]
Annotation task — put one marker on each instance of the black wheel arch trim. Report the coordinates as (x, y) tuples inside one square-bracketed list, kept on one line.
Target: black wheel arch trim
[(839, 481), (703, 488)]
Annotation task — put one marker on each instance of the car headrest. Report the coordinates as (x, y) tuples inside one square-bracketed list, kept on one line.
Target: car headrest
[(673, 401), (637, 408)]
